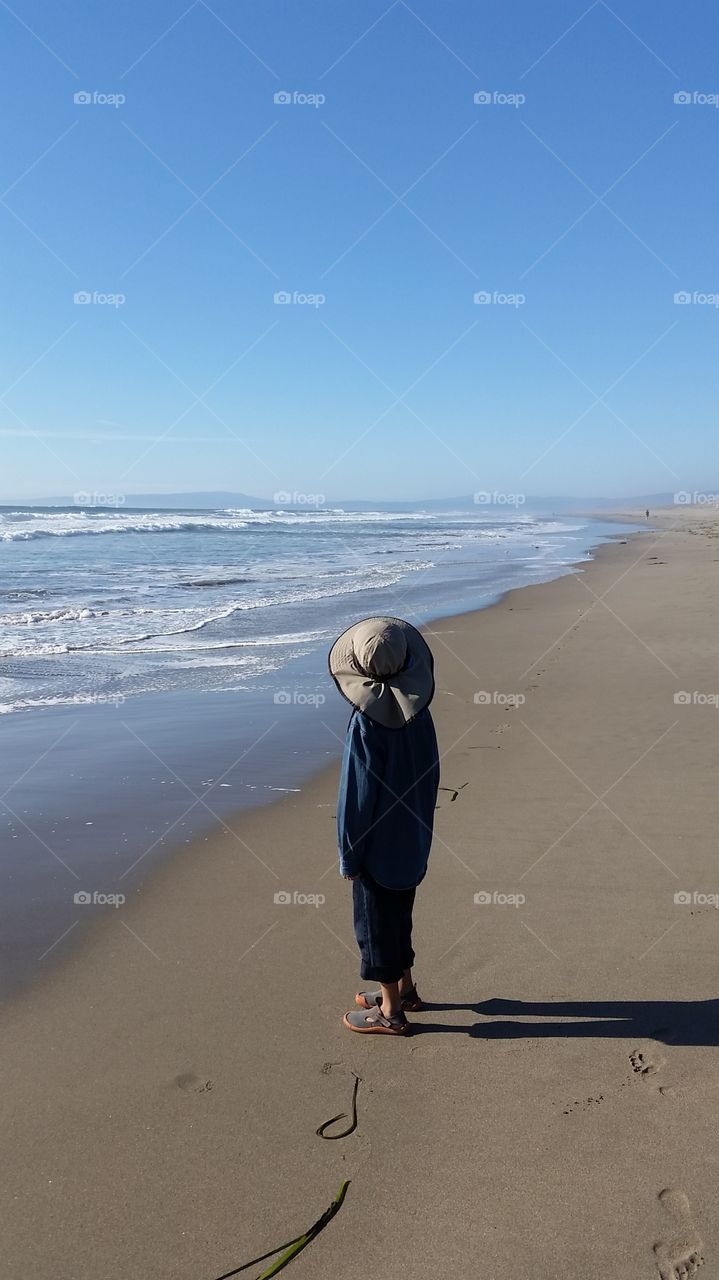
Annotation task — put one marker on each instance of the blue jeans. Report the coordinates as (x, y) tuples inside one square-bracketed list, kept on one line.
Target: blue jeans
[(383, 929)]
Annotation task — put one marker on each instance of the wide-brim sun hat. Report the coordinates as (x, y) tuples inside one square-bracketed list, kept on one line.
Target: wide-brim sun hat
[(385, 669)]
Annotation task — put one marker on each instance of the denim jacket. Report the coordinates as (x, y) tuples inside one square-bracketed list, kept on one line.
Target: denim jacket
[(387, 795)]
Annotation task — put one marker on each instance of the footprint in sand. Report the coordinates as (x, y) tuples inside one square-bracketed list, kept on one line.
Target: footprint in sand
[(454, 791), (646, 1062), (679, 1256), (190, 1083), (585, 1105)]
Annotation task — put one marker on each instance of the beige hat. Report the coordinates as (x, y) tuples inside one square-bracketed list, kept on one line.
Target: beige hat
[(384, 667)]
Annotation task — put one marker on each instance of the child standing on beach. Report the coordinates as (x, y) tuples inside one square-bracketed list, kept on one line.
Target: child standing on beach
[(385, 811)]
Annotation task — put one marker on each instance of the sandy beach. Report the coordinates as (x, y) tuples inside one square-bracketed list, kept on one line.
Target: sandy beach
[(164, 1083)]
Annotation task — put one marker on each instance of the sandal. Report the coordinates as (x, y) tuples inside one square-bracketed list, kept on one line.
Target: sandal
[(376, 1023), (411, 1000)]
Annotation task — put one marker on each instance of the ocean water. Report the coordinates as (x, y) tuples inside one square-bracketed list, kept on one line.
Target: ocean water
[(162, 671), (103, 605)]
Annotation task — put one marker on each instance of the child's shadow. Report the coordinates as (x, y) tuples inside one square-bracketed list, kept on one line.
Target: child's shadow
[(690, 1022)]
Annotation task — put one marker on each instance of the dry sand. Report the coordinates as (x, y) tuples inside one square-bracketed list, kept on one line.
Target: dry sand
[(553, 1114)]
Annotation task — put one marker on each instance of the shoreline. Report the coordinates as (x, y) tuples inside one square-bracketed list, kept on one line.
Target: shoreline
[(68, 949), (62, 654), (131, 784)]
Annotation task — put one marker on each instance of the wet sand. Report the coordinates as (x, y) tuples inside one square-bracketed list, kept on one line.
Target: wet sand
[(551, 1114)]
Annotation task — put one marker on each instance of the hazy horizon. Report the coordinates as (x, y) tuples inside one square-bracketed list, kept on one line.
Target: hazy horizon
[(488, 500)]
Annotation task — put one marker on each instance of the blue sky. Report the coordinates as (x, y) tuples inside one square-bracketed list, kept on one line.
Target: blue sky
[(395, 200)]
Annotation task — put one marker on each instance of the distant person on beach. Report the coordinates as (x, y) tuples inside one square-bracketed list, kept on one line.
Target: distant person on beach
[(647, 513), (385, 811)]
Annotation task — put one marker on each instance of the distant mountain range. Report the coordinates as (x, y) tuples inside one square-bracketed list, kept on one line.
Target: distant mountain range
[(220, 499)]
